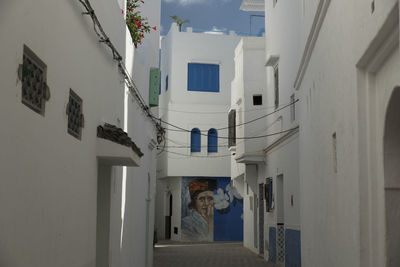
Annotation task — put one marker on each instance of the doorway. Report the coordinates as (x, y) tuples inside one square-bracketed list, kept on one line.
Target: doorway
[(261, 219), (280, 208), (391, 154), (103, 215), (168, 218)]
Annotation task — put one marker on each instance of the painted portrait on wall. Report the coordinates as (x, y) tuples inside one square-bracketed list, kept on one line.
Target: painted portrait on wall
[(211, 210)]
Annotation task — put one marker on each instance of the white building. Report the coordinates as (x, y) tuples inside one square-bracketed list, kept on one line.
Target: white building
[(197, 69), (248, 103), (342, 60), (268, 157), (64, 200)]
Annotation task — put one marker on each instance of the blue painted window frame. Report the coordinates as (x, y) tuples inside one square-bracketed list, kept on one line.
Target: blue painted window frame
[(203, 77), (212, 140), (195, 140)]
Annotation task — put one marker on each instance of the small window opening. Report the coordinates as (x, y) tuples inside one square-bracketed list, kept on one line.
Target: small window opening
[(292, 108), (276, 84), (232, 128), (212, 141), (334, 146), (195, 140), (257, 100)]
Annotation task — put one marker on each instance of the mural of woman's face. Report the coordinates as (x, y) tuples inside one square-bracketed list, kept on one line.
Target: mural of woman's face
[(205, 203)]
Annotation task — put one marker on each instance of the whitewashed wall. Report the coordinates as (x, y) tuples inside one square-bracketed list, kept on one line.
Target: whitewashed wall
[(49, 204), (49, 178), (334, 104), (348, 80), (180, 106), (136, 202)]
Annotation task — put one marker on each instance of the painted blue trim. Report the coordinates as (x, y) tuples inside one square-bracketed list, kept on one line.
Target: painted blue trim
[(272, 245), (203, 77), (195, 140), (212, 141), (166, 83), (292, 248)]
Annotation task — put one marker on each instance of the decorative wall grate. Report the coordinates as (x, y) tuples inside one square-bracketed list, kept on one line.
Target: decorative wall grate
[(33, 75), (280, 243), (75, 116)]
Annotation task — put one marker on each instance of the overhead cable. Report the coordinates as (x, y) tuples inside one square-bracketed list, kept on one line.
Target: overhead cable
[(197, 156), (226, 137), (134, 91), (220, 112), (178, 128)]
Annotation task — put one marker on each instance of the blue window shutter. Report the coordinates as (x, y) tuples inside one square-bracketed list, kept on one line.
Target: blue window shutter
[(203, 77), (212, 141), (154, 88), (195, 140), (166, 83)]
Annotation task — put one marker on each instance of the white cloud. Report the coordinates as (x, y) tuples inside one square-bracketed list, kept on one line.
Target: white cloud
[(232, 192), (186, 2), (221, 200), (216, 30)]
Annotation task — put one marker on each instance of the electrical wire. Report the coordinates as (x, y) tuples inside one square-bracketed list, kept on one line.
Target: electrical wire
[(221, 112), (134, 91), (162, 150), (191, 146), (198, 156), (186, 144), (233, 126), (252, 137), (259, 118)]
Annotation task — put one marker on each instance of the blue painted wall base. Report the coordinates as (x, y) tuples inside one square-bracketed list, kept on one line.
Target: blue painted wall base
[(292, 248), (272, 245)]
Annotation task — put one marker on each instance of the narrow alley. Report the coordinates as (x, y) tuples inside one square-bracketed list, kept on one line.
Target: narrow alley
[(206, 254)]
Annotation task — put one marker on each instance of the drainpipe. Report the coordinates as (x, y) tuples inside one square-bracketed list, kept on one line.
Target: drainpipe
[(148, 199)]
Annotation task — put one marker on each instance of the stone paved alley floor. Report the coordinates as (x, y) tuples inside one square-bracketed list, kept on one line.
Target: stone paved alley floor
[(206, 255)]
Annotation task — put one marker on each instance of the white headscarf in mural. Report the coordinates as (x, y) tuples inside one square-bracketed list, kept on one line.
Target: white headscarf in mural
[(224, 197)]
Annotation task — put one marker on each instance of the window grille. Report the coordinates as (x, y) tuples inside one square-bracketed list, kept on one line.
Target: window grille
[(33, 76), (232, 128), (75, 116)]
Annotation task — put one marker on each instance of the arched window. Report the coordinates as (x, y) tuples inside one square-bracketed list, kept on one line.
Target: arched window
[(195, 140), (212, 141)]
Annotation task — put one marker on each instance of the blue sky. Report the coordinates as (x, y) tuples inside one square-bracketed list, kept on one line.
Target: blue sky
[(206, 15)]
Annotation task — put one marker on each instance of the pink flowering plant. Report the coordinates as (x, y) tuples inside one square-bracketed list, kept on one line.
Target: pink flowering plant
[(137, 24)]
